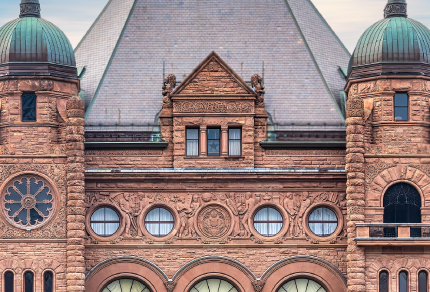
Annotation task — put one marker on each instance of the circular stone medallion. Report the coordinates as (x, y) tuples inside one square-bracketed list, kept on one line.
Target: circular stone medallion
[(214, 221)]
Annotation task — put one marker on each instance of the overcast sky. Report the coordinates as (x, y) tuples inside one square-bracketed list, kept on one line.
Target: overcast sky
[(348, 18)]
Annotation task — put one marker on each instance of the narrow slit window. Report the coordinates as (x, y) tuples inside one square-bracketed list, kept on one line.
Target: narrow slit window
[(192, 142), (423, 281), (234, 142), (403, 281), (401, 108), (28, 281), (213, 142), (8, 281), (48, 279), (29, 107), (383, 281)]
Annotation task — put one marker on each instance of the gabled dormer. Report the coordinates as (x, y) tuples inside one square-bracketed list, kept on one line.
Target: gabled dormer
[(213, 113)]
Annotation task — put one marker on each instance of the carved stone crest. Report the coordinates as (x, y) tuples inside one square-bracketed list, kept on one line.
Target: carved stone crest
[(214, 222)]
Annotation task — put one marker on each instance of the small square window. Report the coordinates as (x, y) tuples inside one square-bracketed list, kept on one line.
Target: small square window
[(234, 142), (192, 142), (28, 107), (213, 142), (401, 108)]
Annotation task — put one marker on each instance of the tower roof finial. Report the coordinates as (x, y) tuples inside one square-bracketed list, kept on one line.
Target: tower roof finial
[(396, 8), (30, 8)]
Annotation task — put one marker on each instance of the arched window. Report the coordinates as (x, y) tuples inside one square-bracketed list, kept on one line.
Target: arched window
[(383, 281), (126, 285), (302, 285), (28, 281), (403, 281), (402, 204), (48, 281), (422, 281), (213, 285), (8, 281)]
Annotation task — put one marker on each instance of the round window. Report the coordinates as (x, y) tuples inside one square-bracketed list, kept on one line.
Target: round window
[(159, 222), (302, 285), (126, 285), (213, 285), (28, 202), (105, 221), (268, 222), (323, 222)]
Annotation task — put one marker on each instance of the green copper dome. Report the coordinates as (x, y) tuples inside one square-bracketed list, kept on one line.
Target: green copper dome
[(31, 45), (394, 45)]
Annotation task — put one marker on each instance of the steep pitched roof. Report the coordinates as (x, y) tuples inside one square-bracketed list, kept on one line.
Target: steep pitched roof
[(286, 41)]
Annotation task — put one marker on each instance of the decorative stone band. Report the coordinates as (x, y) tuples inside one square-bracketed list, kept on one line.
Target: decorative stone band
[(30, 10), (392, 10)]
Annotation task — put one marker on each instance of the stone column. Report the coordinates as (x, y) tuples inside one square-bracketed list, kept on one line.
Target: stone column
[(203, 141), (75, 195), (224, 141), (355, 192)]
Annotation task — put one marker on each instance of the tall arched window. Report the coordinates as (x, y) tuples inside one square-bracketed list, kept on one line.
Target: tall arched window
[(383, 281), (28, 281), (403, 281), (423, 281), (48, 281), (402, 204), (8, 281)]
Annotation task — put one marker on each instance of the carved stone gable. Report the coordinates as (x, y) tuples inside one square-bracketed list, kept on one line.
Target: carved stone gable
[(213, 76)]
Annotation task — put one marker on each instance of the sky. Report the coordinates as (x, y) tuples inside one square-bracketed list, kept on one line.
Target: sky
[(348, 18)]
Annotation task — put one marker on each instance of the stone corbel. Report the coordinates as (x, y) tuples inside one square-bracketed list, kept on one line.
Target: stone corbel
[(368, 108), (62, 108)]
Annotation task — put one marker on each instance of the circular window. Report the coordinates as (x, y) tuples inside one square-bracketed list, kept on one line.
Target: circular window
[(268, 222), (323, 222), (213, 285), (159, 222), (105, 221), (126, 285), (28, 202), (301, 285)]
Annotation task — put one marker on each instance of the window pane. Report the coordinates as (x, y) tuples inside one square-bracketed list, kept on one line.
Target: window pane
[(268, 222), (401, 99), (234, 148), (159, 222), (28, 282), (192, 147), (193, 134), (422, 282), (213, 134), (323, 222), (49, 279), (234, 134), (403, 282), (8, 282), (29, 107), (401, 113), (213, 147), (105, 222), (383, 281)]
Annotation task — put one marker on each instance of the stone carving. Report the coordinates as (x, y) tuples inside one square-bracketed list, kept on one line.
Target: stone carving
[(213, 107), (249, 205), (214, 221), (132, 204), (395, 10), (30, 9), (169, 85), (256, 83), (354, 108)]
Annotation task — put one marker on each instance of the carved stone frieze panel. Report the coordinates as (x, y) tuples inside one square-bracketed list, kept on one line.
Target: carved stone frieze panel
[(213, 107)]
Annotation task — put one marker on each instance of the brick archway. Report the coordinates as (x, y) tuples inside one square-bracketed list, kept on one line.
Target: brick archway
[(126, 267), (214, 267), (303, 267), (400, 173)]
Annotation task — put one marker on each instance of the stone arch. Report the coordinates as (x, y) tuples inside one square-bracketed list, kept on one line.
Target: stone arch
[(303, 266), (214, 266), (126, 267), (400, 173)]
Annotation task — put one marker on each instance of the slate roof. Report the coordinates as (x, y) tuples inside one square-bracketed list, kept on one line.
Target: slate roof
[(301, 57)]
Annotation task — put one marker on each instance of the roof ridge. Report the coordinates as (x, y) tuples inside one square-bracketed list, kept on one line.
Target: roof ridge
[(93, 99), (317, 66)]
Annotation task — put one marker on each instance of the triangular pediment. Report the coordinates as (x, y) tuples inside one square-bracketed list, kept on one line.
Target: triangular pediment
[(213, 77)]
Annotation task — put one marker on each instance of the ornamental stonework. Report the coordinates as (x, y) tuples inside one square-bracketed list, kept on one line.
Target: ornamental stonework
[(214, 221), (213, 107)]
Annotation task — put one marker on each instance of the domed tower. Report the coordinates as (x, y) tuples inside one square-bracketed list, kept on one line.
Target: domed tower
[(388, 152), (41, 150)]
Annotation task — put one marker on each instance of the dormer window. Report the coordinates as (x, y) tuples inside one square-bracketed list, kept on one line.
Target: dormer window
[(28, 101), (401, 108)]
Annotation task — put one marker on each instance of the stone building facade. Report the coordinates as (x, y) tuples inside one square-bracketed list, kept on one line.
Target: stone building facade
[(216, 197)]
